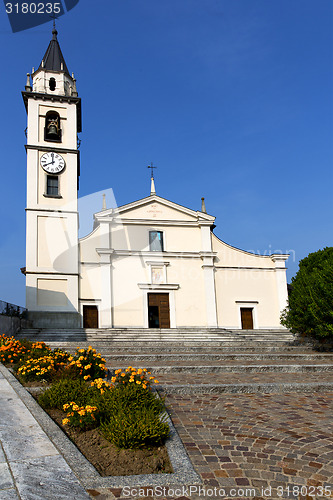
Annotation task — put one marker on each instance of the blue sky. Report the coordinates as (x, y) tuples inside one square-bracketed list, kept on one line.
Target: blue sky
[(231, 100)]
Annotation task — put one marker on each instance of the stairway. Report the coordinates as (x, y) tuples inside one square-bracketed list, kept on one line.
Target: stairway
[(194, 361)]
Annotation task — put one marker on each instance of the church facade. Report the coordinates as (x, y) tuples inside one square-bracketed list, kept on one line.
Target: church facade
[(151, 263)]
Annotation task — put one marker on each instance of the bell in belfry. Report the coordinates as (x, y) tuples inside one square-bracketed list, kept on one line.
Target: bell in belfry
[(52, 128)]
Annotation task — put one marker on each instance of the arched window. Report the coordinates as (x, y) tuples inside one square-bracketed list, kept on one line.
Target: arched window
[(52, 84), (52, 130)]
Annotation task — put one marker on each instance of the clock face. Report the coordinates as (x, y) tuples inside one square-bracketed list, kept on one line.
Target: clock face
[(52, 162)]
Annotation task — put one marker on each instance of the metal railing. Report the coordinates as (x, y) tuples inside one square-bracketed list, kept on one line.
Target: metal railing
[(7, 309)]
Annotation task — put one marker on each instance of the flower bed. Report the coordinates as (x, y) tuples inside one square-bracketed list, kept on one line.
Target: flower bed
[(119, 425)]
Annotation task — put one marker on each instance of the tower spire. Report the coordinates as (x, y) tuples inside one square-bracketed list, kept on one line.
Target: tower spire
[(152, 182), (53, 59)]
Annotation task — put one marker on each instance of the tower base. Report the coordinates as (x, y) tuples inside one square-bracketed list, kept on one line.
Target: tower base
[(48, 319)]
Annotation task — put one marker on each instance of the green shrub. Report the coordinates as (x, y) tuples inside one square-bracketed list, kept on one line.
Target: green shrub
[(135, 429), (132, 397), (65, 391)]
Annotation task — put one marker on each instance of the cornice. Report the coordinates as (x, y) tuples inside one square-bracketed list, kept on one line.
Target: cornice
[(246, 268), (152, 222), (54, 147), (55, 211), (146, 253), (159, 286), (48, 273)]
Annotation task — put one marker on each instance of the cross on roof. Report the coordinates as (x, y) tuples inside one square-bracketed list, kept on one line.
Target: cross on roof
[(152, 171), (54, 17)]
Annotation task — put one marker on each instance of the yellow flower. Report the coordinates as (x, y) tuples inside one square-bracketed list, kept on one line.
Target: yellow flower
[(86, 377), (144, 386), (156, 381), (138, 381), (123, 374), (65, 421), (81, 412)]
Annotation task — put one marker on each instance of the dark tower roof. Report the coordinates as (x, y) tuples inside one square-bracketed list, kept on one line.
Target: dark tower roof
[(53, 56)]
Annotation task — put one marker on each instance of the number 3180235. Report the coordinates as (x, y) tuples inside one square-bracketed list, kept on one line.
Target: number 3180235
[(33, 8)]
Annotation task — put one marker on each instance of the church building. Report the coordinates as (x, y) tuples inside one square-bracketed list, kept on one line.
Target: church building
[(151, 263)]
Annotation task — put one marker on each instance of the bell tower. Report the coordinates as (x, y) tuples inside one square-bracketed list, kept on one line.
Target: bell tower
[(53, 167)]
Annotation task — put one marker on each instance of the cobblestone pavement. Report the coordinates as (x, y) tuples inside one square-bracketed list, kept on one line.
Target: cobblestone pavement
[(256, 446)]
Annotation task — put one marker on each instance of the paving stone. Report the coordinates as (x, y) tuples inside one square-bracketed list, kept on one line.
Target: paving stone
[(26, 442), (2, 455), (6, 480), (46, 478), (9, 494)]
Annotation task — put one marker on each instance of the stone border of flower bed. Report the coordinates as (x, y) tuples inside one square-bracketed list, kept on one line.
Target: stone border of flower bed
[(89, 477)]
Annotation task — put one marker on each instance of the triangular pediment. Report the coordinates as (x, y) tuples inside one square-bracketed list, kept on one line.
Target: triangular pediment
[(155, 208)]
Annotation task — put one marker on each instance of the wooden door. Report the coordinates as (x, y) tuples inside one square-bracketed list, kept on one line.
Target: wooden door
[(247, 318), (90, 317), (158, 310)]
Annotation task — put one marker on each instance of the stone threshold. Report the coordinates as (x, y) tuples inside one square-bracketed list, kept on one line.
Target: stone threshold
[(184, 473)]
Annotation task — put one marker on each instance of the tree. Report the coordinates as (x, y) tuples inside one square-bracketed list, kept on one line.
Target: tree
[(310, 310)]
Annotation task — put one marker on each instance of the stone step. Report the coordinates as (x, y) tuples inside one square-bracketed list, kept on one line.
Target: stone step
[(162, 341), (153, 330), (176, 334), (248, 388), (155, 335), (212, 357), (192, 383), (181, 348), (233, 368)]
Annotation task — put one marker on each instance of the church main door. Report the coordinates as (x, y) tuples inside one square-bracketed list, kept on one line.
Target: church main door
[(158, 310)]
